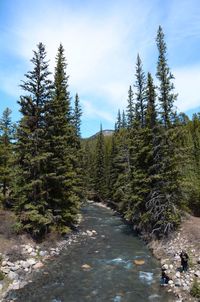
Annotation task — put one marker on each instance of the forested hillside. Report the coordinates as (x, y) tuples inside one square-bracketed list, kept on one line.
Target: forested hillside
[(149, 167)]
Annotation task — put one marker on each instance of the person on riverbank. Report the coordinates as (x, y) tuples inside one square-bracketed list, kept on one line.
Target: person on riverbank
[(164, 277), (184, 261)]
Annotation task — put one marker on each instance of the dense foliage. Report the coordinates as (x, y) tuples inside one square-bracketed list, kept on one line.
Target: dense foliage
[(152, 171), (44, 184)]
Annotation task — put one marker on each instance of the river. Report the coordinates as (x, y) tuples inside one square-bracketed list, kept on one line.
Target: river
[(111, 276)]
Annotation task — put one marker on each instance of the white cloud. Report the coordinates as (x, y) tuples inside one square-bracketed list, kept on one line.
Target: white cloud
[(187, 85), (100, 48), (92, 112)]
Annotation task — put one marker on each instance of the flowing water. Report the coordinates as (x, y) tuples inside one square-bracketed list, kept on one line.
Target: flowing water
[(113, 276)]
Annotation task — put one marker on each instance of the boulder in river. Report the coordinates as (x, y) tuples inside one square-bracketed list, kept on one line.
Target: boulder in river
[(139, 261), (86, 266)]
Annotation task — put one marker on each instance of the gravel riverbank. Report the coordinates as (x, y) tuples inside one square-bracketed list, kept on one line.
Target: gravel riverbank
[(168, 252)]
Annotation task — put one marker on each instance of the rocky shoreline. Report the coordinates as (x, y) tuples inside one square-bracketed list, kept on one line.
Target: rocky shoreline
[(168, 253), (17, 272)]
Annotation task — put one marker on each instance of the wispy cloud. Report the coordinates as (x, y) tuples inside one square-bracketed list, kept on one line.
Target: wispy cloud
[(92, 112)]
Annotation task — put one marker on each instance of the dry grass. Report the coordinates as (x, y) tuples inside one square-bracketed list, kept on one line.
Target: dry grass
[(9, 241)]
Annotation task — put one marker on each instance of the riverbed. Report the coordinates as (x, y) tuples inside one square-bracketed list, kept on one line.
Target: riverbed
[(98, 268)]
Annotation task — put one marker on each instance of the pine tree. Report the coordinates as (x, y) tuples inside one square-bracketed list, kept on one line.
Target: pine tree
[(30, 192), (61, 143), (166, 96), (119, 121), (138, 186), (151, 114), (140, 85), (6, 156), (130, 108), (124, 123), (165, 196), (100, 175), (120, 169), (77, 116)]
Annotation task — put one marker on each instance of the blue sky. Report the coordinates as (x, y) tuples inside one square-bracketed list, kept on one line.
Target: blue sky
[(101, 40)]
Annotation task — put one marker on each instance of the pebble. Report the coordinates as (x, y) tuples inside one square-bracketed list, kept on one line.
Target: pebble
[(13, 276), (38, 265), (30, 250), (43, 253), (197, 274)]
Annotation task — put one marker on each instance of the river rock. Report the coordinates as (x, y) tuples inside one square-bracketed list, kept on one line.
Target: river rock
[(1, 287), (90, 233), (13, 276), (15, 267), (177, 282), (9, 263), (165, 266), (4, 263), (38, 265), (43, 253), (30, 250), (5, 270), (16, 285), (86, 266), (186, 288), (178, 275), (24, 264), (197, 274), (139, 261), (33, 254), (31, 261)]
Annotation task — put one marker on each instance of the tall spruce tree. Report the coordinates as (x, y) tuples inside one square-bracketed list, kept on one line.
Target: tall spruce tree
[(119, 121), (100, 175), (77, 116), (31, 194), (138, 186), (151, 114), (124, 122), (165, 196), (130, 108), (6, 156), (140, 85), (166, 95), (61, 145)]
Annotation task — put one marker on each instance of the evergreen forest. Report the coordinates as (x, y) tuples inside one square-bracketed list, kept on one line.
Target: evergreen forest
[(147, 168)]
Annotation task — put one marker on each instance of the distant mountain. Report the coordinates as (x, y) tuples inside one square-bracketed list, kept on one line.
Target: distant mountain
[(106, 132)]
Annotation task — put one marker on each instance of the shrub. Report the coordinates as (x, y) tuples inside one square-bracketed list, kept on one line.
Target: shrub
[(17, 227), (195, 290), (1, 276)]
